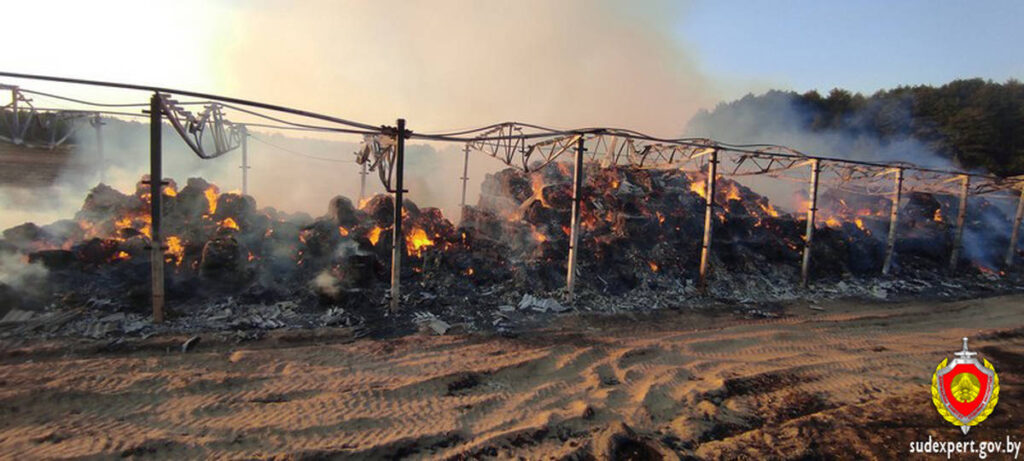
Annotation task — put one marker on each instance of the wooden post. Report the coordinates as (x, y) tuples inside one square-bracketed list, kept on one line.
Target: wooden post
[(709, 215), (574, 229), (245, 160), (811, 211), (894, 217), (961, 215), (465, 179), (156, 255), (1011, 251), (397, 238)]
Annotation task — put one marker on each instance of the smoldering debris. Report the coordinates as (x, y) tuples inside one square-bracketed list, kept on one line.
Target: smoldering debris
[(230, 265)]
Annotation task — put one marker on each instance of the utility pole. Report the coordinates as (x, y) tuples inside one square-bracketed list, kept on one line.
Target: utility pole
[(397, 239), (812, 209), (709, 215), (245, 159), (156, 193), (574, 229), (961, 216), (97, 123), (894, 217), (465, 179)]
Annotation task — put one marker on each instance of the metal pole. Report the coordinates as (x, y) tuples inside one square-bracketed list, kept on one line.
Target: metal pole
[(362, 183), (397, 239), (811, 211), (961, 215), (574, 229), (155, 181), (17, 122), (98, 124), (1015, 234), (894, 216), (245, 160), (465, 179), (709, 214)]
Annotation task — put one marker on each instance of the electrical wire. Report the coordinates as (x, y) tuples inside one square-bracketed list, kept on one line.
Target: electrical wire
[(301, 154)]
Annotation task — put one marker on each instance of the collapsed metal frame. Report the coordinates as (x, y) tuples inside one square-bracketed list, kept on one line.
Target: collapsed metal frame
[(532, 147)]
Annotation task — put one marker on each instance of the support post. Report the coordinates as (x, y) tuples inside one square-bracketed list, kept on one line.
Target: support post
[(961, 215), (362, 183), (397, 238), (812, 209), (894, 217), (709, 216), (15, 138), (574, 229), (245, 160), (465, 179), (1011, 251), (155, 182), (97, 123)]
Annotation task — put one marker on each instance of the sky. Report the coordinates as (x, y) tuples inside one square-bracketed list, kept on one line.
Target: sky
[(455, 64)]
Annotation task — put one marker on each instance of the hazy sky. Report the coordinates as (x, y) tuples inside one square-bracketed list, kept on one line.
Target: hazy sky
[(453, 64)]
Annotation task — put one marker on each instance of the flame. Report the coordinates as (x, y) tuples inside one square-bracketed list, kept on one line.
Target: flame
[(698, 188), (363, 201), (175, 249), (374, 235), (470, 271), (121, 255), (538, 236), (342, 231), (661, 218), (211, 196), (937, 217), (732, 193), (833, 222), (653, 265), (417, 240), (229, 223), (251, 256), (860, 224), (170, 192), (767, 208), (537, 184)]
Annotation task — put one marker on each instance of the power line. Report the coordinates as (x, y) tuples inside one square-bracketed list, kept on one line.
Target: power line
[(301, 154)]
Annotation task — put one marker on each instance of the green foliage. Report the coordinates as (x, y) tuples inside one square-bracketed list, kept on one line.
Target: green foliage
[(975, 123)]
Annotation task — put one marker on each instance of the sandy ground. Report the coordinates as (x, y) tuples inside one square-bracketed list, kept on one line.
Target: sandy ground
[(852, 381)]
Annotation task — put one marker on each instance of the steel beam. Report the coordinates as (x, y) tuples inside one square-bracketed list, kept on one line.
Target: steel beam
[(709, 216), (574, 230), (894, 217), (961, 215), (397, 239), (1011, 250), (812, 209), (465, 179), (156, 251)]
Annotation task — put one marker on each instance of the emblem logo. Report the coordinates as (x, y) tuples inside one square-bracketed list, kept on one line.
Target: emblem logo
[(965, 391)]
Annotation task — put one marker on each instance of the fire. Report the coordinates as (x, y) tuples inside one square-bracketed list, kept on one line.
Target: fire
[(538, 236), (698, 188), (121, 255), (860, 224), (374, 235), (342, 231), (767, 208), (537, 184), (170, 192), (661, 218), (938, 215), (732, 193), (833, 222), (211, 196), (229, 223), (175, 249), (653, 265), (470, 271), (417, 240)]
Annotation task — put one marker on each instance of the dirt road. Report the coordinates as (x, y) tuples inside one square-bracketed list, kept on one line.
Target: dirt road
[(850, 381)]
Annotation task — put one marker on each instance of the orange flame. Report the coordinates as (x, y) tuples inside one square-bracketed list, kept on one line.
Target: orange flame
[(175, 249), (342, 231), (229, 223), (698, 188), (374, 235), (653, 265), (417, 241), (211, 197)]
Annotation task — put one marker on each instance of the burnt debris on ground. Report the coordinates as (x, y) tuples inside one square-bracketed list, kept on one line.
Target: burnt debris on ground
[(230, 265)]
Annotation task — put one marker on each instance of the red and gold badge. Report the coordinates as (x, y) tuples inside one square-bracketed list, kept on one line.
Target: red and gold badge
[(965, 391)]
